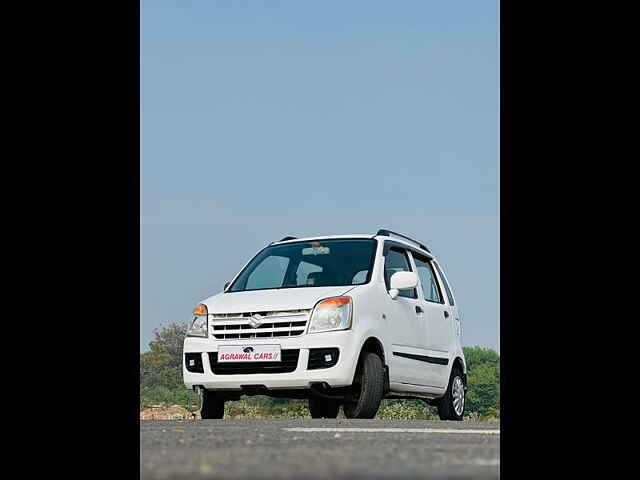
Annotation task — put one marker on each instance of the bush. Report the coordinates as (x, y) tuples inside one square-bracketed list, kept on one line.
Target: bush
[(161, 395), (483, 372)]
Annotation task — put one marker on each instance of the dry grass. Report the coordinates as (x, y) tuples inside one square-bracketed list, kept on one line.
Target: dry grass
[(246, 409)]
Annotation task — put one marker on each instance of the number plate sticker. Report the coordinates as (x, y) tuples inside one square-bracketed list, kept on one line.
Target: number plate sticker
[(249, 353)]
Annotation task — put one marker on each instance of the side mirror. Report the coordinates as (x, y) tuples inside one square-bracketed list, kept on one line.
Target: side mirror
[(224, 289), (402, 281)]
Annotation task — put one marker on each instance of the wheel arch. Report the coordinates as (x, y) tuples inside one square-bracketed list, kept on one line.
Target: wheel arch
[(373, 345), (459, 362)]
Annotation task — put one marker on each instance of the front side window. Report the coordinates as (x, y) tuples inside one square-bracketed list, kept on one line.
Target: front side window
[(428, 280), (309, 264), (397, 260)]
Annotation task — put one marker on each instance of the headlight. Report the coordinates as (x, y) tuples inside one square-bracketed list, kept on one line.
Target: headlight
[(331, 314), (200, 325)]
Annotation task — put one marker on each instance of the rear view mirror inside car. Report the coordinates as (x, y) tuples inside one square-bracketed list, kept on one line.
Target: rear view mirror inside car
[(316, 251)]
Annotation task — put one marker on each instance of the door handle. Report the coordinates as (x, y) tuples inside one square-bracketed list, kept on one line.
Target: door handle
[(446, 314), (419, 310)]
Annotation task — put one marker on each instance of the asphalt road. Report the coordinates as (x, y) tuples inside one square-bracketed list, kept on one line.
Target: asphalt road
[(296, 449)]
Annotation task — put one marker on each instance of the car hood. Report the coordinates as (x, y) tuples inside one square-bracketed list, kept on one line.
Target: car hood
[(272, 300)]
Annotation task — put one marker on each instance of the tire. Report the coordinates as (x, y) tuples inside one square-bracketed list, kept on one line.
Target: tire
[(323, 407), (369, 388), (449, 406), (212, 406)]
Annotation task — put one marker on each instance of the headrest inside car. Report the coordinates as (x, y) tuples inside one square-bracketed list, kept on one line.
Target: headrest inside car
[(319, 279)]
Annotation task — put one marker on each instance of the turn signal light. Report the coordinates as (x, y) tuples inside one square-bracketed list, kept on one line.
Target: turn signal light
[(200, 310), (334, 302)]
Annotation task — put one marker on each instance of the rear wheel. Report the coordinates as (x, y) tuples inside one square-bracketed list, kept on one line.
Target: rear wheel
[(323, 407), (212, 406), (368, 386), (451, 406)]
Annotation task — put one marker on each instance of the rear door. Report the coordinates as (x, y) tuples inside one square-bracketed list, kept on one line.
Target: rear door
[(438, 319), (453, 308)]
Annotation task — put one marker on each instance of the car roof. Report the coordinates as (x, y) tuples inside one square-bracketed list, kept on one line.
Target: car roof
[(325, 237)]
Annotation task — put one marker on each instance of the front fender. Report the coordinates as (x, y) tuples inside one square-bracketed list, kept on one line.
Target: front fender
[(362, 338)]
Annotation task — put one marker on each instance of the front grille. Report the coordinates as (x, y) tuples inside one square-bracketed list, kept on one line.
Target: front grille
[(287, 365), (233, 326)]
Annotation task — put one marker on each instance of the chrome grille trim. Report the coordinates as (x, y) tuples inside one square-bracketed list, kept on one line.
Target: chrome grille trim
[(274, 324), (280, 313)]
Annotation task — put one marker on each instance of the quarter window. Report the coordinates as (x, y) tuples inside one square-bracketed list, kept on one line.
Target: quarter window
[(397, 261)]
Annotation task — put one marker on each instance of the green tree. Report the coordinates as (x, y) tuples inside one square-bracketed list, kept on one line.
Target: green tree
[(169, 340), (483, 370), (479, 355), (161, 367)]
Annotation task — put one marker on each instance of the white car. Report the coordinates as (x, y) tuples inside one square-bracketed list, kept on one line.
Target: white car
[(342, 320)]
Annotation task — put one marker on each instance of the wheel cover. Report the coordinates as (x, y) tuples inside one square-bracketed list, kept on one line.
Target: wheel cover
[(457, 392)]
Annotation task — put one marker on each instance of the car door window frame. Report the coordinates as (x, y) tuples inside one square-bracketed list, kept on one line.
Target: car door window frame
[(398, 249)]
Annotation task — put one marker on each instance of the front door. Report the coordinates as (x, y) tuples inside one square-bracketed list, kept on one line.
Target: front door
[(406, 325)]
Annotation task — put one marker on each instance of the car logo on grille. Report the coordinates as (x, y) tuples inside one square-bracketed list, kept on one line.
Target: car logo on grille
[(247, 349), (255, 320)]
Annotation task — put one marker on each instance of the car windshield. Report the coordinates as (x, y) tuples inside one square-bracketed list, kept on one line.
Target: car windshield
[(309, 264)]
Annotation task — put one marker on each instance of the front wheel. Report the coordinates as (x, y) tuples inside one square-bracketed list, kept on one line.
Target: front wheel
[(368, 386), (212, 406), (451, 406)]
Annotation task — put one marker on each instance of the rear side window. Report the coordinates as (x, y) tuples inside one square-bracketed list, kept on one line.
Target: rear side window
[(397, 260), (430, 287), (446, 285)]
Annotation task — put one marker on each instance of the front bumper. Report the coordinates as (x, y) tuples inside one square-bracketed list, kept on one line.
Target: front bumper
[(339, 375)]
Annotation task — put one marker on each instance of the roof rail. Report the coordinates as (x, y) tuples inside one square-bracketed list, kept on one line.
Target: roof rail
[(287, 238), (388, 233)]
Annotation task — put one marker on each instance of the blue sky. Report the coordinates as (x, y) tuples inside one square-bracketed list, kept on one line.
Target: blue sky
[(261, 119)]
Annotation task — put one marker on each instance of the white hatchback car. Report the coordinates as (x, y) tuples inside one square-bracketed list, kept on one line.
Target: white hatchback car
[(342, 320)]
